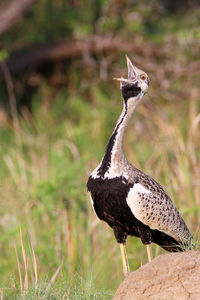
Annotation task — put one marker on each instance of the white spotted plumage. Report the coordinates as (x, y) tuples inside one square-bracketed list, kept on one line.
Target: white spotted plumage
[(134, 200), (148, 208)]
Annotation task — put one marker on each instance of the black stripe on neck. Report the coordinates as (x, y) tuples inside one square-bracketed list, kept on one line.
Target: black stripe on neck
[(105, 165), (130, 90)]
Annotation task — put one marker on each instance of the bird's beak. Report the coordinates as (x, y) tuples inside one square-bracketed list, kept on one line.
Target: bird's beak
[(131, 69), (131, 72)]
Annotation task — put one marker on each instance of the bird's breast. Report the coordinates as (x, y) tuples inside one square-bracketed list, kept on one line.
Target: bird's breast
[(109, 197)]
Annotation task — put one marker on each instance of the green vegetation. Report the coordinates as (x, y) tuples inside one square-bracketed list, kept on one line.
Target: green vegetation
[(44, 169), (51, 244)]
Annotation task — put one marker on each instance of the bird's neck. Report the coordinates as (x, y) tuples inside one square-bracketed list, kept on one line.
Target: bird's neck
[(114, 156)]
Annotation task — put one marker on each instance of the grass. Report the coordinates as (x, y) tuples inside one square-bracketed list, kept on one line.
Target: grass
[(43, 175)]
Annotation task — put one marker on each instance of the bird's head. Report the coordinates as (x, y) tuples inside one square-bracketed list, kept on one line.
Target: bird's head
[(137, 83)]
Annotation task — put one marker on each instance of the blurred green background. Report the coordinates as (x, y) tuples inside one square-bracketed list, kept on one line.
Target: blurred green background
[(58, 107)]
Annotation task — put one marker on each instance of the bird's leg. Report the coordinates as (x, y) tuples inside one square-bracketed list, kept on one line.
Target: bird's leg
[(126, 269), (147, 239), (149, 253), (121, 239)]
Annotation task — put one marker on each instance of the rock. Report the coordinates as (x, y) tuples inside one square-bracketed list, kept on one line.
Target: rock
[(171, 276)]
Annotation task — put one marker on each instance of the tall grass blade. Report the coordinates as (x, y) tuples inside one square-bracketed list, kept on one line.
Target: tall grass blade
[(53, 278), (19, 270), (34, 265), (25, 262)]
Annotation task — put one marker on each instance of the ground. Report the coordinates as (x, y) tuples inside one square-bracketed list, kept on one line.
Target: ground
[(169, 276)]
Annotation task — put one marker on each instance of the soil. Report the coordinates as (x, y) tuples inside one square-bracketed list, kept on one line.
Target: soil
[(171, 276)]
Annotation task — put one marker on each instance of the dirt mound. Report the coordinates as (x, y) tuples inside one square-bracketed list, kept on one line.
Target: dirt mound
[(171, 276)]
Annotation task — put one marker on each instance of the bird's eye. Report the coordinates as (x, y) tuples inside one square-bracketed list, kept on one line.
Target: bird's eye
[(143, 76)]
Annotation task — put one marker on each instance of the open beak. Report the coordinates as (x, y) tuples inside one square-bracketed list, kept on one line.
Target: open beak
[(131, 72)]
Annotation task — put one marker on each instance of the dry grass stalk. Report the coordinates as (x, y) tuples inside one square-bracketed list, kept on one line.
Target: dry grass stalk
[(53, 278), (1, 294), (19, 271), (25, 262), (34, 266)]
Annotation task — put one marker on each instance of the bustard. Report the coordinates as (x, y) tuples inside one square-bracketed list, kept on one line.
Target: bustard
[(130, 201)]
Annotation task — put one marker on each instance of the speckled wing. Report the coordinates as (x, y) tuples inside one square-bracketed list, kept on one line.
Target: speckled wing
[(157, 211)]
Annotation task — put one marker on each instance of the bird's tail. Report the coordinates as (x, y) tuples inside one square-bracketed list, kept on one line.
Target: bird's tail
[(170, 244)]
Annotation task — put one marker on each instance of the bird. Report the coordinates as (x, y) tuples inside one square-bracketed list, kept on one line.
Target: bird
[(131, 202)]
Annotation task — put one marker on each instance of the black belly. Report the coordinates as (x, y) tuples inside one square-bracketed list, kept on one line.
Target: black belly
[(109, 198)]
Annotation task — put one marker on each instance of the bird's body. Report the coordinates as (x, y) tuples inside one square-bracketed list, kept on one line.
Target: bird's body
[(130, 201), (138, 206)]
